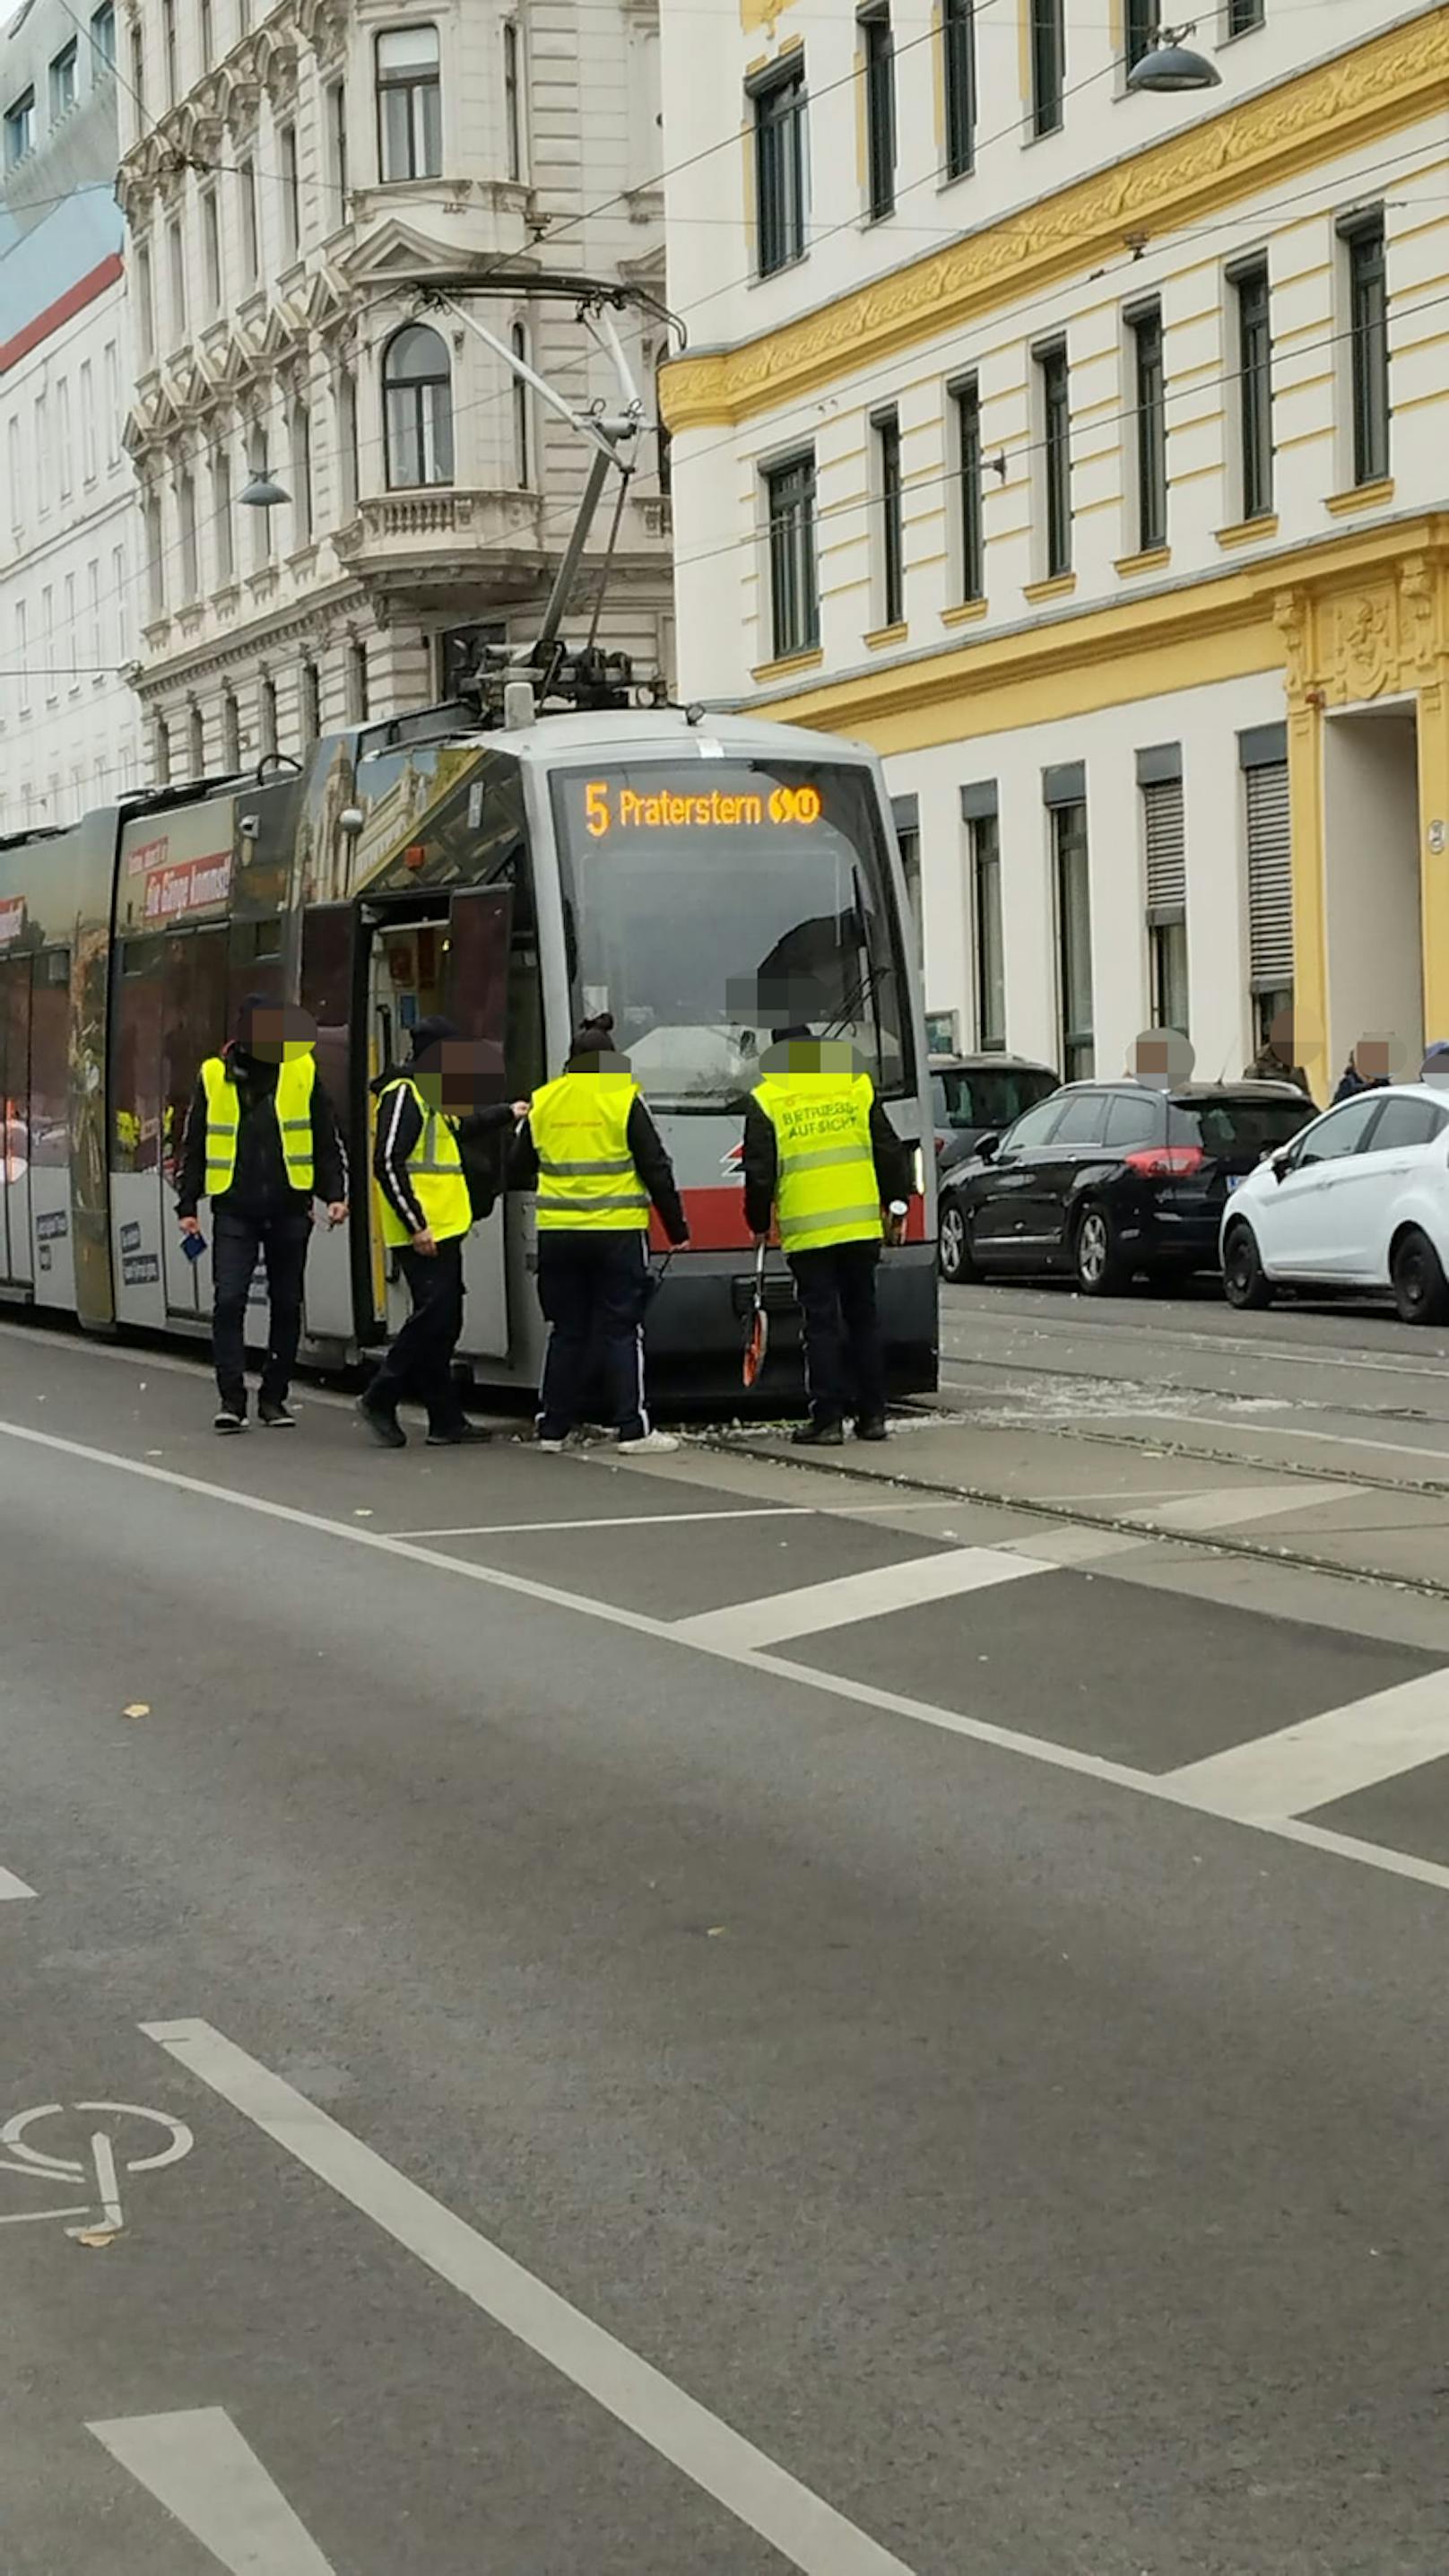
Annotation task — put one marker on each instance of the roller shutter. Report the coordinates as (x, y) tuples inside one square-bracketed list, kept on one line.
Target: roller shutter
[(1270, 878)]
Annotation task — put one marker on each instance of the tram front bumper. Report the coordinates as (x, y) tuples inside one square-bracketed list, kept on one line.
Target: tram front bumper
[(697, 1323)]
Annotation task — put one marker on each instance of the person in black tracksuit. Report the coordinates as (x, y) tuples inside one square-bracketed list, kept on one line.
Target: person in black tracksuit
[(259, 1213), (419, 1363)]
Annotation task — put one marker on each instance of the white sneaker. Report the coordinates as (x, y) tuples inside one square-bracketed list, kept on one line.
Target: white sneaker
[(550, 1448), (650, 1444)]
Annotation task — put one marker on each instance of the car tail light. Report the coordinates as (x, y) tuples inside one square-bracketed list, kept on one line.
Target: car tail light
[(1165, 1162)]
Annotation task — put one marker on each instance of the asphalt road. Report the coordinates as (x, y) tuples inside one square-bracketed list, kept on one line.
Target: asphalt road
[(722, 2017)]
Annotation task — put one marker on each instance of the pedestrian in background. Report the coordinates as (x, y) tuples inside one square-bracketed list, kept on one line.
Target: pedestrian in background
[(1274, 1059), (593, 1154), (261, 1142), (822, 1156), (1366, 1070), (426, 1111)]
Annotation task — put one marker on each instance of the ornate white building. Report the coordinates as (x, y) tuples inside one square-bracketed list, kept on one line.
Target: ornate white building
[(1084, 450), (288, 174), (69, 735)]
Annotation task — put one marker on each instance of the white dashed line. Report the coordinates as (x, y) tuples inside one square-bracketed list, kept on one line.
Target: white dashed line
[(11, 1886)]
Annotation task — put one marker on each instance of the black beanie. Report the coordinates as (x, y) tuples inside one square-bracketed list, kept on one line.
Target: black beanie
[(594, 1037), (435, 1031)]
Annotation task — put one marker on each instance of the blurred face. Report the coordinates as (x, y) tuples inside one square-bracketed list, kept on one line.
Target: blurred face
[(459, 1076), (277, 1033), (1371, 1059), (811, 1055)]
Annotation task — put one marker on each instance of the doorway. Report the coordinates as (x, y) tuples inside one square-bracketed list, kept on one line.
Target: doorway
[(1373, 895)]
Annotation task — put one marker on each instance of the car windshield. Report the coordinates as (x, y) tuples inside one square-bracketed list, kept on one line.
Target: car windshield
[(1237, 1127), (709, 904), (987, 1097)]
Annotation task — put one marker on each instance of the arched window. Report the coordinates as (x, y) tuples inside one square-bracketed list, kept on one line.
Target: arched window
[(417, 394), (522, 402)]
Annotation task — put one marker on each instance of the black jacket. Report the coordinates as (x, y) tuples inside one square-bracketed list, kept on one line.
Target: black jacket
[(260, 1187), (400, 1124), (650, 1162), (894, 1177)]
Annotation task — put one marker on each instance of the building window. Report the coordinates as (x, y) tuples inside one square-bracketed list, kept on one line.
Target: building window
[(358, 697), (1249, 284), (186, 514), (267, 715), (103, 31), (208, 36), (1074, 940), (211, 250), (1048, 65), (971, 548), (44, 461), (958, 80), (417, 394), (20, 128), (63, 82), (337, 144), (1270, 875), (409, 104), (301, 474), (111, 378), (168, 39), (311, 705), (886, 435), (347, 441), (176, 259), (221, 513), (1244, 16), (291, 192), (790, 523), (22, 651), (138, 71), (780, 170), (256, 456), (1159, 776), (230, 732), (247, 182), (161, 752), (1056, 453), (155, 559), (1368, 345), (63, 455), (198, 743), (145, 303), (1145, 325), (522, 444), (1144, 21), (90, 450), (878, 47), (512, 100), (989, 959)]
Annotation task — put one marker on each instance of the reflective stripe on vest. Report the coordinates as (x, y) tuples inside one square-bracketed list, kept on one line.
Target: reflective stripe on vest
[(825, 1189), (586, 1177), (435, 1170), (292, 1107)]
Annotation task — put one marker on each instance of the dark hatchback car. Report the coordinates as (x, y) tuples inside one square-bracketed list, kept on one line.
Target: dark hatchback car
[(1106, 1179), (981, 1095)]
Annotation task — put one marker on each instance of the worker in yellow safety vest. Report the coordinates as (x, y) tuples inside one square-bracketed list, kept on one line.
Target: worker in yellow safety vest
[(592, 1152), (821, 1155), (426, 1111), (262, 1142)]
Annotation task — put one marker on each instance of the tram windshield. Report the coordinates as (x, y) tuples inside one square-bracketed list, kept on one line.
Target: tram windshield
[(712, 904)]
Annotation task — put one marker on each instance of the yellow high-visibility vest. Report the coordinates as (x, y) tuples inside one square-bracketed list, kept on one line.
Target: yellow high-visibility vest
[(296, 1081), (435, 1169), (587, 1183), (826, 1190)]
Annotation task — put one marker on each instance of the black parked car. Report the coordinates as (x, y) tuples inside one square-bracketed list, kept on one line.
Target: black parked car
[(1106, 1179), (980, 1095)]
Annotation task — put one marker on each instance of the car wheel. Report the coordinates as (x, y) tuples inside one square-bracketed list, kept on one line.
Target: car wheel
[(953, 1248), (1097, 1257), (1421, 1293), (1246, 1284)]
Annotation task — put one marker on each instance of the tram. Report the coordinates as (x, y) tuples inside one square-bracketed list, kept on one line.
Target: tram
[(705, 878)]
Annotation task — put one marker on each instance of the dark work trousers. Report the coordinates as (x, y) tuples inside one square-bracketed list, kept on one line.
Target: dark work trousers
[(593, 1289), (420, 1361), (844, 1354), (236, 1241)]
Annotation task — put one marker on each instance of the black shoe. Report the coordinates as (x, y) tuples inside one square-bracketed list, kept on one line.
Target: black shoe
[(230, 1417), (274, 1415), (457, 1435), (385, 1427), (871, 1426), (819, 1435)]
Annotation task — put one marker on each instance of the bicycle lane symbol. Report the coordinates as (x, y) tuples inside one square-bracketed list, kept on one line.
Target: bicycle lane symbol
[(18, 2156)]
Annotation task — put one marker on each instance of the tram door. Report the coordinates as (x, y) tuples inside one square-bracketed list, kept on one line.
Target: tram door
[(15, 1144)]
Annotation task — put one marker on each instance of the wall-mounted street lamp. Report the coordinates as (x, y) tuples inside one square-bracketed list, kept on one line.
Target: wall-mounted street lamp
[(1171, 64)]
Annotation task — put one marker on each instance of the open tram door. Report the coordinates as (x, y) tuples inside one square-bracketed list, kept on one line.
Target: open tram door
[(433, 953)]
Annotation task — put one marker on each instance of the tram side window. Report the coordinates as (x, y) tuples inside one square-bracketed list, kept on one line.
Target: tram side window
[(194, 1026), (14, 1062), (255, 964), (49, 1059), (136, 1059), (524, 1047)]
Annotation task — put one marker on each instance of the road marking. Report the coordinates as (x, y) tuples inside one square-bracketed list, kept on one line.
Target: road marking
[(23, 2158), (621, 1520), (848, 1598), (980, 1730), (806, 2531), (1075, 1546), (211, 2481), (1226, 1506), (11, 1886), (1323, 1758)]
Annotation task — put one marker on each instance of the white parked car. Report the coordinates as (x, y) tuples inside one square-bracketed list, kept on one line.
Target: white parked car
[(1360, 1199)]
